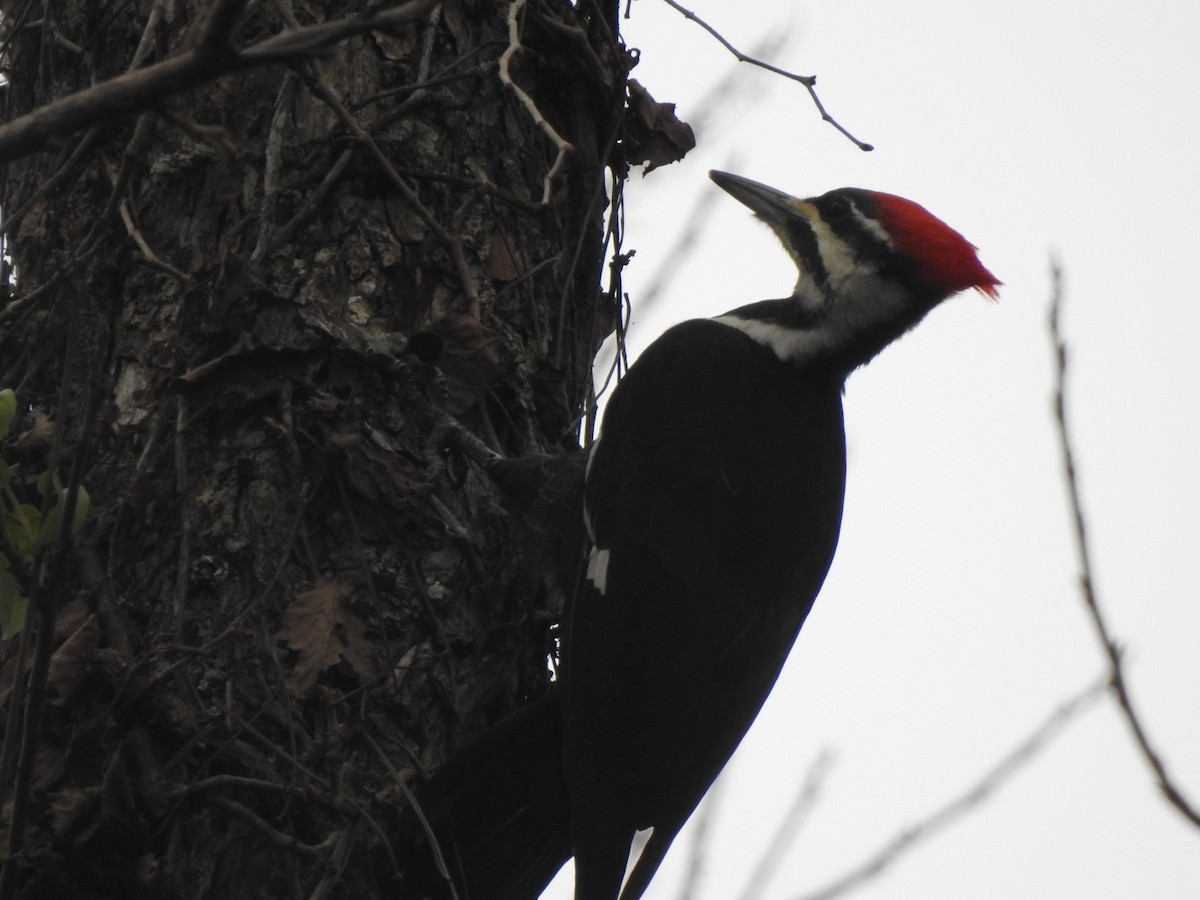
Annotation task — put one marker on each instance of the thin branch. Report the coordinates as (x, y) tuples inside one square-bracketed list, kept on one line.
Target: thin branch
[(238, 783), (183, 561), (561, 144), (439, 858), (321, 90), (969, 800), (797, 814), (693, 875), (1087, 584), (50, 184), (301, 43), (285, 232), (273, 167), (809, 81), (212, 57), (215, 36), (273, 835)]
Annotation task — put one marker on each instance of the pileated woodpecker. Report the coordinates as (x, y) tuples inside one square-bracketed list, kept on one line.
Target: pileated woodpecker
[(713, 502)]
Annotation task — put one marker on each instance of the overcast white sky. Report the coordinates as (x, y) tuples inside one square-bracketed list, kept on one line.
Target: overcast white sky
[(950, 625)]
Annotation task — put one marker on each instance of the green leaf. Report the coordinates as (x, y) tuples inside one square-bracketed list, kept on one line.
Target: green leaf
[(48, 484), (22, 526), (8, 409), (13, 605), (83, 503), (5, 475), (48, 532)]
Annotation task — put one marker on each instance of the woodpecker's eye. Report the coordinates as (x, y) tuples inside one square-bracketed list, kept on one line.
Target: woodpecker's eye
[(837, 210)]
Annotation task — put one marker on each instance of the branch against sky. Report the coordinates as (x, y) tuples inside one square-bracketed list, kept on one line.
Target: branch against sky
[(809, 81), (1087, 583), (968, 801)]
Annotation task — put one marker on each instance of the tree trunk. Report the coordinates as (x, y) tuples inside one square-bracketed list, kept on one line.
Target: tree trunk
[(253, 323)]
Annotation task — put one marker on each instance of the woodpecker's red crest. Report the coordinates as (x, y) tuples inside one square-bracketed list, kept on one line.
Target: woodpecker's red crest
[(947, 258)]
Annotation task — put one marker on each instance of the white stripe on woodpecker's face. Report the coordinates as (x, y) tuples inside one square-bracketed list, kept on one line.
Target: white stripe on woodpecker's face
[(837, 257), (871, 226)]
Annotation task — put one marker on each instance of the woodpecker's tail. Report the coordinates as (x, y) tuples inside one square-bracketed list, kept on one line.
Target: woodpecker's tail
[(499, 811)]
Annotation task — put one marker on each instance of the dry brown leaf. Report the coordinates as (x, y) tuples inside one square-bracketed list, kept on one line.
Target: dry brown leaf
[(69, 808), (70, 663), (323, 631), (653, 133), (472, 359), (384, 475), (197, 374), (70, 617), (502, 261)]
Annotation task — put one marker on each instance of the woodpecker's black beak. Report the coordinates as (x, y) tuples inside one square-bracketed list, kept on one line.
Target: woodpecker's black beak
[(774, 207)]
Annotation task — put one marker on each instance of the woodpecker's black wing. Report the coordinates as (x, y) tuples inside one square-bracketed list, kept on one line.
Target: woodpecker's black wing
[(714, 496)]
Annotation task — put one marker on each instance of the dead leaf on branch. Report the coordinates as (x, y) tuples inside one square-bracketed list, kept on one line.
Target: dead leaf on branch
[(71, 806), (654, 135), (70, 618), (503, 264), (70, 664), (320, 627), (473, 358), (384, 475)]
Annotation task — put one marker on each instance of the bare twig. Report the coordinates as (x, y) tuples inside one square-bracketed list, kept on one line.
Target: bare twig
[(50, 184), (561, 144), (215, 35), (211, 56), (454, 244), (285, 232), (693, 875), (315, 79), (273, 167), (809, 81), (1087, 585), (300, 43), (273, 835), (797, 814), (969, 800), (183, 563), (239, 783), (343, 849), (149, 257), (436, 848)]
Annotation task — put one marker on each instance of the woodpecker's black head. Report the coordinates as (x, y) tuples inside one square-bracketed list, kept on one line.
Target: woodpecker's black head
[(870, 266)]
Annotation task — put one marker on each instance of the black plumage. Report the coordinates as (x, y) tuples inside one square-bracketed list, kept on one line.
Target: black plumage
[(720, 519), (713, 501)]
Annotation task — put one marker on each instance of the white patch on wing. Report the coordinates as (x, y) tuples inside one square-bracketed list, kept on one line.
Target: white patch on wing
[(597, 569)]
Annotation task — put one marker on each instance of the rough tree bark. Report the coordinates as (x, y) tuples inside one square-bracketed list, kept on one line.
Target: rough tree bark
[(250, 322)]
